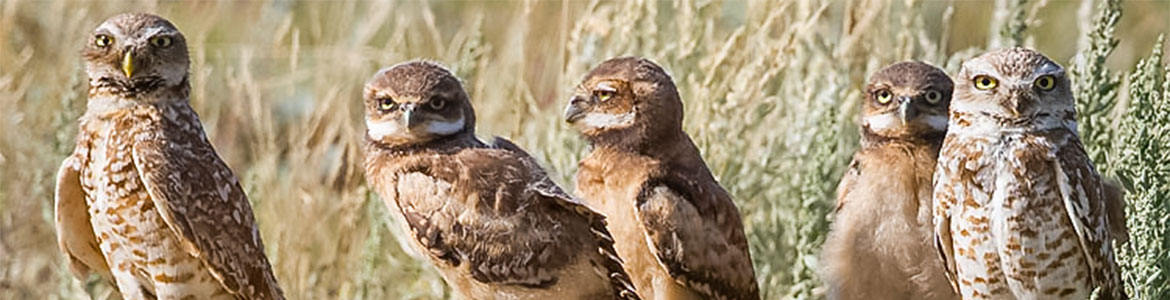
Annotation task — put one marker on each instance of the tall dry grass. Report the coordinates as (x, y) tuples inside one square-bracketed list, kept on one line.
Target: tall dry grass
[(771, 91)]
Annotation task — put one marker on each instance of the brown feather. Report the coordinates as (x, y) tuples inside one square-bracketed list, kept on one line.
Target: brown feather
[(487, 216)]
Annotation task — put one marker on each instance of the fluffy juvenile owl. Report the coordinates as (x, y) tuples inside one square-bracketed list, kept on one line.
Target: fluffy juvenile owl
[(678, 230), (882, 242), (486, 215), (1019, 210), (144, 200)]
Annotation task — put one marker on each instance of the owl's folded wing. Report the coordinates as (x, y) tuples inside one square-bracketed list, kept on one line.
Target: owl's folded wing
[(1085, 200), (712, 260), (201, 200)]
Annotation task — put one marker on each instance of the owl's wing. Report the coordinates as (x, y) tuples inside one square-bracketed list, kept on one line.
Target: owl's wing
[(201, 200), (1084, 195), (74, 230), (544, 186), (946, 175), (848, 181), (494, 210), (1115, 206), (706, 252)]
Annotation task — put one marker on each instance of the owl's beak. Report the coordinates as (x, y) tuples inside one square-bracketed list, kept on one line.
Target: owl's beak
[(1018, 100), (906, 111), (575, 110), (128, 64), (409, 118)]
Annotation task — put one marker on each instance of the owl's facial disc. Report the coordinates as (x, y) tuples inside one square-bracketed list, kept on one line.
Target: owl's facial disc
[(601, 105), (411, 121), (136, 53), (1016, 87), (901, 111)]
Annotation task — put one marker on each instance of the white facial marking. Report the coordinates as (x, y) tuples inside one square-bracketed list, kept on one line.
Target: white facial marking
[(381, 129), (602, 120), (935, 122), (445, 128), (882, 122)]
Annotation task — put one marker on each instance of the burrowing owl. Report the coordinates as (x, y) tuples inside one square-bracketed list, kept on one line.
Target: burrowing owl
[(882, 242), (144, 200), (487, 216), (678, 230), (1020, 212)]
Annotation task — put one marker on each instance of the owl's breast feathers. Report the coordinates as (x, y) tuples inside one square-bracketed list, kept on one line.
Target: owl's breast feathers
[(688, 221), (192, 189), (1032, 205)]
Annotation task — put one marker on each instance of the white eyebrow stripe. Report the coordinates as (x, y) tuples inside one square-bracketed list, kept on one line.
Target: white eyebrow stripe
[(151, 31), (114, 30), (606, 87), (1049, 69)]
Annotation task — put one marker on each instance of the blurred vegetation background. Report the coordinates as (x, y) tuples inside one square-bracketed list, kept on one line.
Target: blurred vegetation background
[(771, 89)]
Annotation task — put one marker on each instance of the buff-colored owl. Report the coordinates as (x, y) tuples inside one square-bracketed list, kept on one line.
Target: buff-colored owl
[(1020, 212), (882, 243), (678, 230), (144, 201)]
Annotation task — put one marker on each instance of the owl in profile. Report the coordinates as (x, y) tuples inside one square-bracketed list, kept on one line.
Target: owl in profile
[(144, 201), (486, 215), (881, 245), (1019, 210), (679, 231)]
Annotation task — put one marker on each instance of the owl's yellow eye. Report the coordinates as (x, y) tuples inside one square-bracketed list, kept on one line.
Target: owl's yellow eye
[(884, 96), (161, 41), (984, 82), (387, 104), (933, 97), (103, 40), (1046, 82), (603, 95)]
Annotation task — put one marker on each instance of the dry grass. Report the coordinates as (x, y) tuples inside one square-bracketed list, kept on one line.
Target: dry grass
[(770, 87)]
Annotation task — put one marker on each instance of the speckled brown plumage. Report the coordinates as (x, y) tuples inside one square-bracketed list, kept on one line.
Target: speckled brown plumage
[(144, 200), (881, 245), (679, 231), (1020, 211), (486, 215)]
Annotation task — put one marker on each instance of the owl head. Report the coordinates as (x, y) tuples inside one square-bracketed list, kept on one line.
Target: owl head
[(1015, 88), (907, 100), (136, 53), (416, 102), (625, 100)]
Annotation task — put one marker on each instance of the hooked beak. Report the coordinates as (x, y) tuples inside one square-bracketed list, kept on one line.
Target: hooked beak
[(1017, 102), (128, 64), (906, 112), (575, 110), (1014, 109), (409, 118)]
